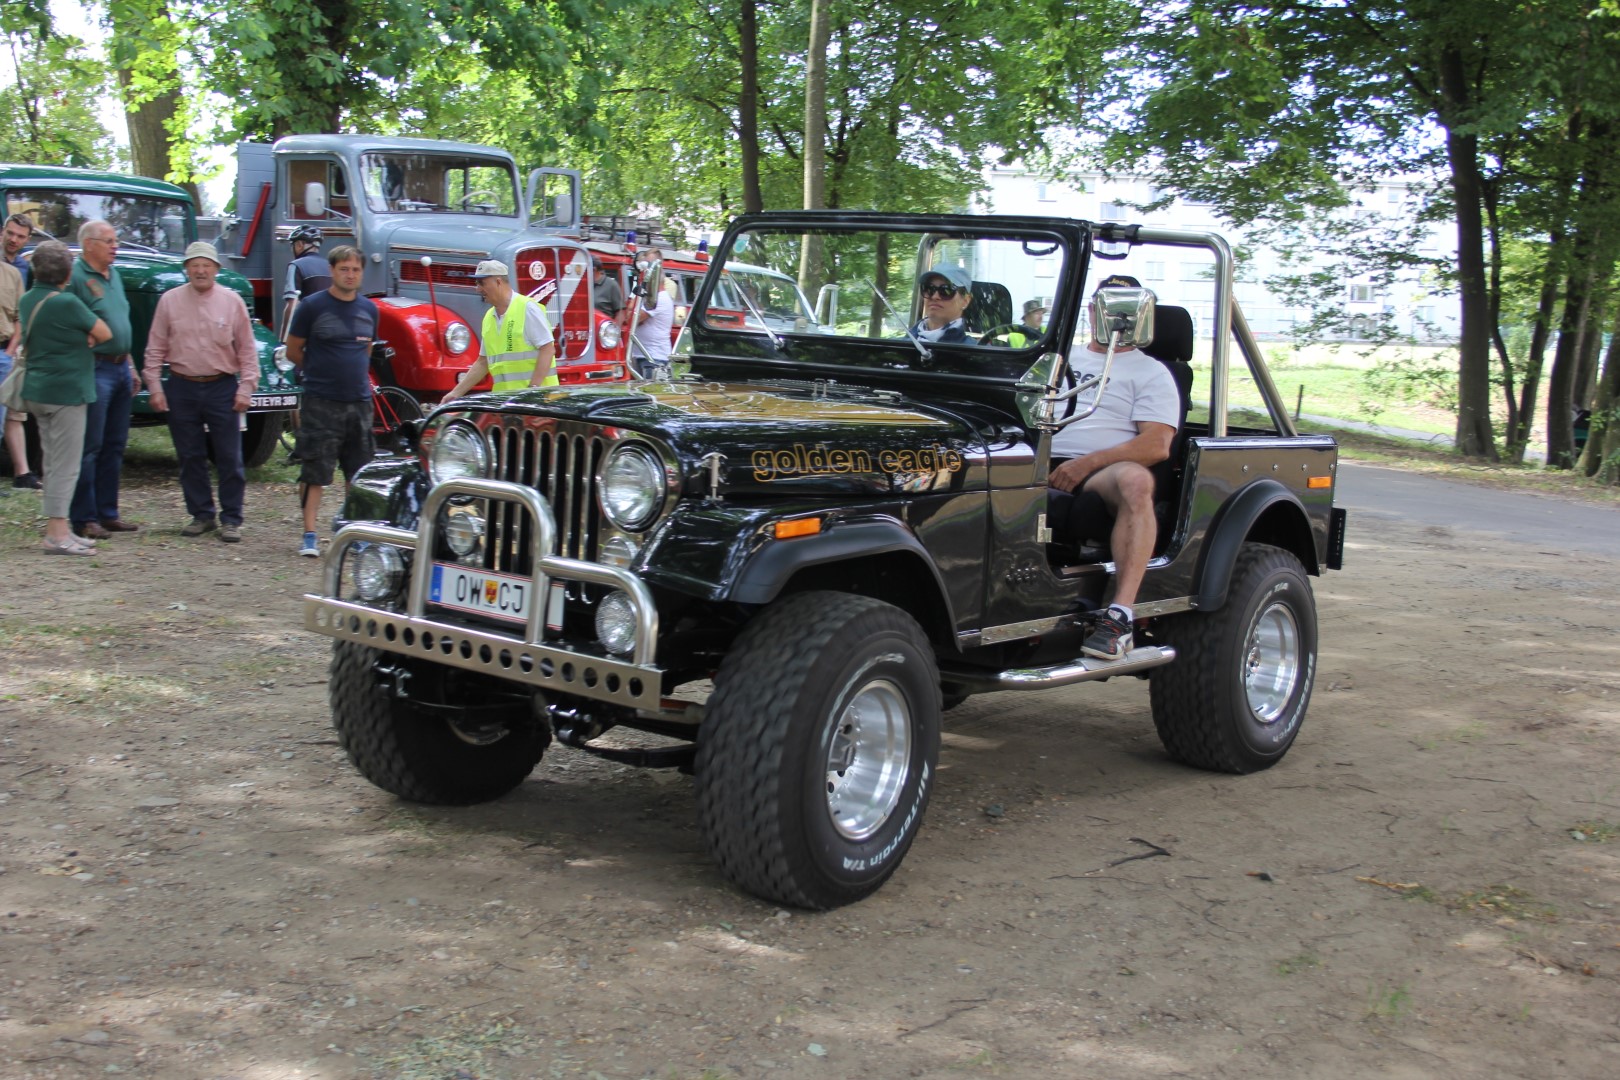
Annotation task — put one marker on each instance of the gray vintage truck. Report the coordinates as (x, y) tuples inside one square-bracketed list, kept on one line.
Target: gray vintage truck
[(779, 568)]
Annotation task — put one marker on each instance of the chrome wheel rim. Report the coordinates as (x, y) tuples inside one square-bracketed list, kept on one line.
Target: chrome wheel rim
[(867, 760), (479, 735), (1271, 663)]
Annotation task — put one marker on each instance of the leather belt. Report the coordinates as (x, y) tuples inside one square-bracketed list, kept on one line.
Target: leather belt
[(199, 378), (119, 359)]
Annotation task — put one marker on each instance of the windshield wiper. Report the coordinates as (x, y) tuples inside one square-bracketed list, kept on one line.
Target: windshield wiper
[(776, 339), (910, 334)]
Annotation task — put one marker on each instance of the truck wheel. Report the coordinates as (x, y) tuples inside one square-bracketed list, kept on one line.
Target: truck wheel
[(262, 436), (422, 754), (1235, 696), (818, 749)]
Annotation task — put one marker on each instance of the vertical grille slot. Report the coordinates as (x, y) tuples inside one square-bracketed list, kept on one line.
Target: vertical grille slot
[(560, 461)]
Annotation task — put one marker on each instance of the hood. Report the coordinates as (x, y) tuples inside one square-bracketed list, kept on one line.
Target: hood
[(779, 438)]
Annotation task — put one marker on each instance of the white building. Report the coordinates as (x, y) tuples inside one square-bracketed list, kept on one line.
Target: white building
[(1186, 278)]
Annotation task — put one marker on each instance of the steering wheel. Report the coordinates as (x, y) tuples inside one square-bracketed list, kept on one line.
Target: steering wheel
[(492, 196), (989, 336)]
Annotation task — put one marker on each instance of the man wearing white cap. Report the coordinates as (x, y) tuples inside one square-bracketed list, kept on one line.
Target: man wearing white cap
[(202, 333), (517, 345)]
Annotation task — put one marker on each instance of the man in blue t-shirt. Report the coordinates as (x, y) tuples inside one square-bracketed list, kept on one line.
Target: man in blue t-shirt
[(330, 340)]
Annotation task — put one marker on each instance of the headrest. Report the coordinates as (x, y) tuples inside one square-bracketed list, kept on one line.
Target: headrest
[(1172, 334)]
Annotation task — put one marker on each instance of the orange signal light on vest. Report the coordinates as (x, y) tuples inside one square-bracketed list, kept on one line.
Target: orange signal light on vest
[(787, 530), (1319, 482)]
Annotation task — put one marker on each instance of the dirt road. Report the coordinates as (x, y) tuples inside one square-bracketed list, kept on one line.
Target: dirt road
[(196, 884)]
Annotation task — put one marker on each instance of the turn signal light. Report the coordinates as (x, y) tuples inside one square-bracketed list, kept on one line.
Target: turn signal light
[(787, 530), (1319, 482)]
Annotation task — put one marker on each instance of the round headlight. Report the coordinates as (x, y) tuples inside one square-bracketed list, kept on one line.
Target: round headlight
[(457, 336), (632, 486), (457, 451), (463, 529), (378, 571), (283, 364), (607, 334), (616, 624)]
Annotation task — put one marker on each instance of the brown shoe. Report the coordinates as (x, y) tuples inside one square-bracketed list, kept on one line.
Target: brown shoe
[(93, 530), (116, 525), (199, 525)]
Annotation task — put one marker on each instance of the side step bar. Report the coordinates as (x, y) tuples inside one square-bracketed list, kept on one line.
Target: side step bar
[(1084, 669)]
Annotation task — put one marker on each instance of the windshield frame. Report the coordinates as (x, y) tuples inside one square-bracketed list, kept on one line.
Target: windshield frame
[(374, 182), (714, 346), (134, 233)]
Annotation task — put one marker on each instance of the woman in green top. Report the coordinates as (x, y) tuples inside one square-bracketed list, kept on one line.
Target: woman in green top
[(59, 381)]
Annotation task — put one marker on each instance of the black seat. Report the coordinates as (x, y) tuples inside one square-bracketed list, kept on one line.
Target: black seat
[(992, 307), (1082, 521)]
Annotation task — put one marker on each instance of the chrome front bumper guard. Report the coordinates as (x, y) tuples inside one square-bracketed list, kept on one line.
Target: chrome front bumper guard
[(528, 658)]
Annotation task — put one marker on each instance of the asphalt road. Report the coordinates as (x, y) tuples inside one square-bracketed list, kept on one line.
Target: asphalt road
[(1540, 522)]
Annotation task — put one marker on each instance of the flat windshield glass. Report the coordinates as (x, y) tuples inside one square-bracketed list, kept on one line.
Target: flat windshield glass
[(985, 289), (143, 222), (438, 183)]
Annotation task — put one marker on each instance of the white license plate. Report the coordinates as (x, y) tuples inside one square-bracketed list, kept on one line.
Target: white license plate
[(482, 592)]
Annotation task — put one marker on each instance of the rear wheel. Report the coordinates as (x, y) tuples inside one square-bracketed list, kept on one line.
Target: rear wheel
[(1235, 696), (425, 754), (818, 747)]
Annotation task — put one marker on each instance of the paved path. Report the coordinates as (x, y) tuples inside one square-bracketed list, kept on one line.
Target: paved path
[(1542, 522)]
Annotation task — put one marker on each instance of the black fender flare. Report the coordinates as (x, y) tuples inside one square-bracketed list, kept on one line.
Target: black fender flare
[(772, 566), (1231, 527)]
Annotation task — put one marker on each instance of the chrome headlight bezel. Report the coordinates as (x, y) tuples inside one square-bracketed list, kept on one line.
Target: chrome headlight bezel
[(379, 572), (458, 451), (632, 486), (457, 338), (607, 334), (282, 363), (616, 623)]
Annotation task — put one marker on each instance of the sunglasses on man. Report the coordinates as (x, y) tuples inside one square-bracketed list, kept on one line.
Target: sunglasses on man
[(944, 292)]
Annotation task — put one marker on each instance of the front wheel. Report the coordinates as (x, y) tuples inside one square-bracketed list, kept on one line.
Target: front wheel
[(818, 749), (261, 437), (1235, 696), (439, 755)]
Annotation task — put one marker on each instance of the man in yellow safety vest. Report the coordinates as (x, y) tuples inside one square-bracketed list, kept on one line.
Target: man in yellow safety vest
[(518, 348)]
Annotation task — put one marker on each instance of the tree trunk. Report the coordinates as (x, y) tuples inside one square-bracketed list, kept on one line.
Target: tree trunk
[(1540, 331), (146, 42), (1602, 456), (1561, 380), (815, 140), (1515, 449), (1474, 435), (748, 108)]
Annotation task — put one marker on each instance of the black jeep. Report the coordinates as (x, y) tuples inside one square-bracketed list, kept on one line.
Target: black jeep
[(787, 558)]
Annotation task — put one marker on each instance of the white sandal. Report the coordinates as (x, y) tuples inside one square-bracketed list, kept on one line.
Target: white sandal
[(70, 546)]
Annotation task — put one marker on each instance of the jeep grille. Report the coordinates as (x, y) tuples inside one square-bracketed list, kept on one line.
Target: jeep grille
[(560, 461)]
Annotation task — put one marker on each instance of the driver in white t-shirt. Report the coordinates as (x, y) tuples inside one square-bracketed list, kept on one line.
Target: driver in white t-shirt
[(1110, 453)]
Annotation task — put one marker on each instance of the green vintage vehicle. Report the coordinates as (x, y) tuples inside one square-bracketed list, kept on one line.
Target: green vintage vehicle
[(155, 221)]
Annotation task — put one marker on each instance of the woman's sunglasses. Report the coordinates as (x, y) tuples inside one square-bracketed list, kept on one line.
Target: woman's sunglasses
[(944, 292)]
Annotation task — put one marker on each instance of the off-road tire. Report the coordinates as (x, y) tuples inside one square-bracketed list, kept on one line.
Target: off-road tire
[(261, 437), (416, 753), (1235, 696), (781, 817)]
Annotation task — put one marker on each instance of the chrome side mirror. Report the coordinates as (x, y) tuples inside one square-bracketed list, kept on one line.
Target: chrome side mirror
[(1122, 317)]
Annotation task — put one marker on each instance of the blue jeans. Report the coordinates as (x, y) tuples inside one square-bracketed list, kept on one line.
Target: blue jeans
[(192, 407), (106, 434), (5, 369)]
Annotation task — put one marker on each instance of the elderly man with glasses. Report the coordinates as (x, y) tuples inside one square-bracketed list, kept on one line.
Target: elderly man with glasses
[(94, 513)]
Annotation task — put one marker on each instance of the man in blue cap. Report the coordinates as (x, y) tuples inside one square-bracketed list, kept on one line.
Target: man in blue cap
[(946, 294)]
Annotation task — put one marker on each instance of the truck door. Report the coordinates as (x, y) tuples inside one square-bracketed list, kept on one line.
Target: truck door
[(295, 173)]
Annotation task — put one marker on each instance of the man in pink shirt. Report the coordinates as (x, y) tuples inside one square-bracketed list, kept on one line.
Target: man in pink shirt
[(202, 332)]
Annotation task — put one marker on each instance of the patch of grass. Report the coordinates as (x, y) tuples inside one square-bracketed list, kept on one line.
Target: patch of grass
[(1506, 901), (1305, 961), (1389, 1002), (1598, 832), (474, 1050)]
